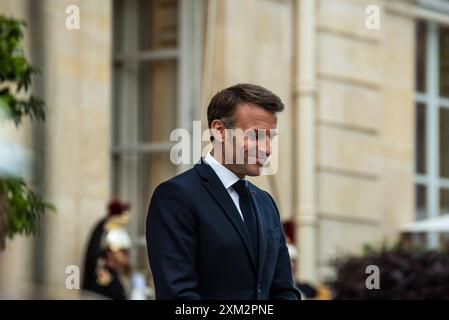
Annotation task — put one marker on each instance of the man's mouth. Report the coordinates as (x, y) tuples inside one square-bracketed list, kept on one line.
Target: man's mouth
[(261, 161)]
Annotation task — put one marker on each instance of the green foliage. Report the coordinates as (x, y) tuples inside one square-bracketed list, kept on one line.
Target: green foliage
[(24, 207), (16, 74), (21, 209)]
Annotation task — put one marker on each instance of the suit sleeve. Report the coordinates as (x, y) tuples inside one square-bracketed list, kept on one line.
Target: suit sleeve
[(171, 243), (282, 286)]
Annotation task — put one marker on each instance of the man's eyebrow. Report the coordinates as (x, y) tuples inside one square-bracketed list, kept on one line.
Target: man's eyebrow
[(261, 129), (270, 132)]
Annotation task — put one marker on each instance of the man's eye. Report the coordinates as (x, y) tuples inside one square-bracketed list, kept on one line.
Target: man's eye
[(251, 135)]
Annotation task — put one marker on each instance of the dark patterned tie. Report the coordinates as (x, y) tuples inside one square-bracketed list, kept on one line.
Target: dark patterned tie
[(248, 212)]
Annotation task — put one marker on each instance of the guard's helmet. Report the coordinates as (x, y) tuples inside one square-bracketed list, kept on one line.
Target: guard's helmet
[(116, 240)]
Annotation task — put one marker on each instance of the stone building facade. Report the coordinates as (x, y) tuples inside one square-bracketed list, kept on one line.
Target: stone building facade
[(355, 127)]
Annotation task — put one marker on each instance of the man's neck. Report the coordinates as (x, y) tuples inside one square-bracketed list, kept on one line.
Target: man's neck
[(227, 166)]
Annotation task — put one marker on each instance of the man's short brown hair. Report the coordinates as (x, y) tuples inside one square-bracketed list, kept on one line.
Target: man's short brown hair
[(223, 104)]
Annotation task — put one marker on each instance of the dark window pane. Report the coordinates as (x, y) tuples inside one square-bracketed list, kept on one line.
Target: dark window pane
[(444, 240), (421, 202), (444, 142), (158, 23), (153, 169), (420, 51), (141, 25), (145, 102), (420, 139), (444, 201), (125, 26), (118, 24), (444, 62), (125, 104), (125, 173), (157, 100)]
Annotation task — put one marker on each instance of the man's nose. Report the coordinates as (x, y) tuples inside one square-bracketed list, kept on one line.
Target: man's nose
[(268, 151), (265, 147)]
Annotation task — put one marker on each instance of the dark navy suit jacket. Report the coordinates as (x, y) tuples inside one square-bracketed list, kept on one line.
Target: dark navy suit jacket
[(198, 246)]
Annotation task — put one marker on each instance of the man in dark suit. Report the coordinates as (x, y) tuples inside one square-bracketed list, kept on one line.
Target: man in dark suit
[(211, 234)]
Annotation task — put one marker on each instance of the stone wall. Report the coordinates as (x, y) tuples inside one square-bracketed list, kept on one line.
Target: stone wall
[(76, 86)]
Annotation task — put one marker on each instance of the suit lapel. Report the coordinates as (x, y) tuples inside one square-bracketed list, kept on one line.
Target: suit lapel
[(222, 197), (261, 228)]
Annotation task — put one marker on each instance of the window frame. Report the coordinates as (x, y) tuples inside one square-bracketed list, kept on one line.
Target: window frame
[(432, 102), (188, 57)]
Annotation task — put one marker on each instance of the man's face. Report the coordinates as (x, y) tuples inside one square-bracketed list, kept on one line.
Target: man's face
[(251, 139)]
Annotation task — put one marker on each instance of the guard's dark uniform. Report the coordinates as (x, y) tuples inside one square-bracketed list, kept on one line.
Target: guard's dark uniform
[(93, 253), (107, 283)]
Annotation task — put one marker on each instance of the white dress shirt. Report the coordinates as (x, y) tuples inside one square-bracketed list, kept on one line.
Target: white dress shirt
[(227, 177)]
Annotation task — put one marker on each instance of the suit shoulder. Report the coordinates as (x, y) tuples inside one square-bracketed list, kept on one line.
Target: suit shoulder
[(174, 193), (182, 182)]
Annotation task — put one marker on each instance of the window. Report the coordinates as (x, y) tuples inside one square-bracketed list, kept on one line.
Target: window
[(432, 122), (156, 64)]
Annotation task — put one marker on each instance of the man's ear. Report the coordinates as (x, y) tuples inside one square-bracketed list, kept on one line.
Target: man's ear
[(217, 130)]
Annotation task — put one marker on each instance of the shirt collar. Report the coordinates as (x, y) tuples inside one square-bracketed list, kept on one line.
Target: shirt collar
[(226, 176)]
